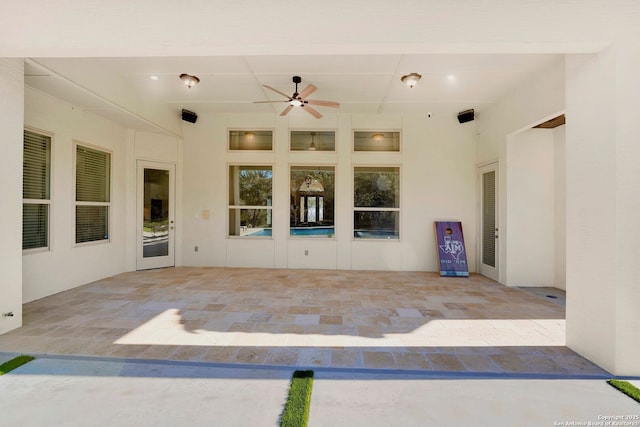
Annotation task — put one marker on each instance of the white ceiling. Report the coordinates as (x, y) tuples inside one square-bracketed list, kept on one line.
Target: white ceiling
[(98, 55), (229, 84)]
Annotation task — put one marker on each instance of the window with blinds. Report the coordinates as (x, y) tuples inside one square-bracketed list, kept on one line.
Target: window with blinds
[(489, 218), (93, 194), (36, 188)]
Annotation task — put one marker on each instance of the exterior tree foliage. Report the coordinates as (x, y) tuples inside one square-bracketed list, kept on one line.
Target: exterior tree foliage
[(376, 189), (255, 190)]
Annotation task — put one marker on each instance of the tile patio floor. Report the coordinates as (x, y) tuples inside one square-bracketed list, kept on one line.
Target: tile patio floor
[(305, 318)]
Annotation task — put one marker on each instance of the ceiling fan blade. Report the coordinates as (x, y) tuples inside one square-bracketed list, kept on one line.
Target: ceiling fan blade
[(267, 102), (311, 111), (277, 91), (286, 110), (322, 103), (307, 91)]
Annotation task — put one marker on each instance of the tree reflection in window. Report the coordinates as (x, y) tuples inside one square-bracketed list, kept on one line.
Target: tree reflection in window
[(376, 202), (250, 200)]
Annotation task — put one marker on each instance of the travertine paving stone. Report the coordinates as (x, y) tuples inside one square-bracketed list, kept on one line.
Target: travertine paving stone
[(306, 318)]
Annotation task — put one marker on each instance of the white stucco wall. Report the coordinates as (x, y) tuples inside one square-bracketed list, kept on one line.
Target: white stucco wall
[(539, 98), (560, 211), (64, 265), (11, 137), (531, 209), (628, 207), (591, 206), (437, 183), (603, 206)]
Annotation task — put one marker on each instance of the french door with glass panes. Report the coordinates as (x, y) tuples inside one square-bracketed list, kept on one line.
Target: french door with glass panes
[(155, 215)]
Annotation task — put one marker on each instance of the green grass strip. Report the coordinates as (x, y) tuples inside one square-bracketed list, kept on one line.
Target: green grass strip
[(15, 363), (296, 411), (627, 388)]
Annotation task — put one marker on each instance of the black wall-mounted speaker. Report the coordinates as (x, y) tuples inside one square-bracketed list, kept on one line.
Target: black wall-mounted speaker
[(189, 116), (466, 116)]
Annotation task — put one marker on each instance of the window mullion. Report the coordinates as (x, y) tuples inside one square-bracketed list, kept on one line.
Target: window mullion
[(93, 203), (36, 201)]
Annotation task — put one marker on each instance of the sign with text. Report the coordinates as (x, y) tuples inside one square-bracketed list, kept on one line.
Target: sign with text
[(452, 256)]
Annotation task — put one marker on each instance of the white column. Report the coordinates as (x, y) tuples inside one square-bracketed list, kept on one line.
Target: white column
[(627, 309), (603, 207), (11, 134), (343, 196)]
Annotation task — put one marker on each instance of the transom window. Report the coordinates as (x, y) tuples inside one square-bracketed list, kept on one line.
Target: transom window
[(376, 141), (304, 140), (250, 140)]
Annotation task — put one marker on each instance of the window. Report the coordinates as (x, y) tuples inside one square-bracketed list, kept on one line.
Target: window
[(313, 140), (376, 201), (312, 201), (376, 141), (261, 140), (36, 190), (250, 200), (93, 194)]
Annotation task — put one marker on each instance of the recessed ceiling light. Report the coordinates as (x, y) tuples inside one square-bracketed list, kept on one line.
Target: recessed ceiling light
[(451, 78), (154, 77)]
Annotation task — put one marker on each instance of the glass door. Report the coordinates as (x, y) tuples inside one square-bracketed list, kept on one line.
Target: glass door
[(155, 215), (488, 177)]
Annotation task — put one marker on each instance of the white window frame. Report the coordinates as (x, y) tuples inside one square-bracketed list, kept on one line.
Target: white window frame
[(240, 207), (249, 131), (47, 202), (375, 209), (315, 152), (312, 166), (76, 203), (373, 132)]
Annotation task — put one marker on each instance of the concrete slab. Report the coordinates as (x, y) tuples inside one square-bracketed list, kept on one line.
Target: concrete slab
[(82, 392), (377, 400)]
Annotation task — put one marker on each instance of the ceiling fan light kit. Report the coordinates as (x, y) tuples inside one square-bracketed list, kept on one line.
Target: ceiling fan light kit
[(299, 99), (411, 79), (188, 80)]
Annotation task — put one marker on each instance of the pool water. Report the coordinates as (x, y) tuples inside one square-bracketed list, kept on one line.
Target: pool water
[(298, 231), (329, 232), (312, 231), (266, 232), (375, 234)]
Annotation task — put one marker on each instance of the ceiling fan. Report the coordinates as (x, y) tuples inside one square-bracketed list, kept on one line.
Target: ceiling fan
[(300, 99)]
